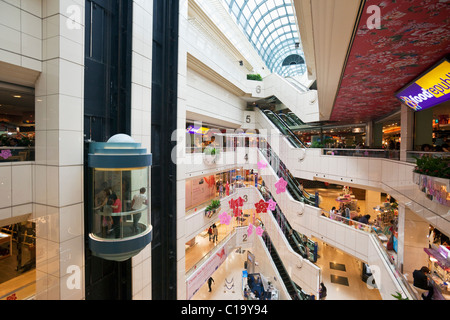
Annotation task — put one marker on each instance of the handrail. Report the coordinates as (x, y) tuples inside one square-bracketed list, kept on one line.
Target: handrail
[(290, 135), (210, 253), (366, 153), (286, 175)]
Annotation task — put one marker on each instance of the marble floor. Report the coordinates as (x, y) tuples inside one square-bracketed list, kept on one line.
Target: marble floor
[(345, 269)]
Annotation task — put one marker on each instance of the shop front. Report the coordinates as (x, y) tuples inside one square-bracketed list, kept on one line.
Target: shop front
[(17, 123), (18, 261)]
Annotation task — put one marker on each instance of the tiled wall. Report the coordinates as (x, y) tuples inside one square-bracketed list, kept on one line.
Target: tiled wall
[(141, 122), (59, 152), (21, 33), (48, 37)]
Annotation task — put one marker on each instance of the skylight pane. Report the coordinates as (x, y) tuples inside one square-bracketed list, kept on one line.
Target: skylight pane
[(270, 26)]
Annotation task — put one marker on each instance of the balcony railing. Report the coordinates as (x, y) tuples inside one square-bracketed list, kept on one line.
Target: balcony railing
[(366, 153)]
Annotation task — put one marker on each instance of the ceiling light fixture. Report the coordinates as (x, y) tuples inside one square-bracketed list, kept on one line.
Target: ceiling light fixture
[(17, 96)]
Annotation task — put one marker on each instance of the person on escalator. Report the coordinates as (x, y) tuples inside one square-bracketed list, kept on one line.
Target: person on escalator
[(421, 281)]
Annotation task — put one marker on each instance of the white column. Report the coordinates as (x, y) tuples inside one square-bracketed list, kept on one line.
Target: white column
[(415, 240), (141, 92), (373, 199), (181, 126), (59, 199), (406, 131)]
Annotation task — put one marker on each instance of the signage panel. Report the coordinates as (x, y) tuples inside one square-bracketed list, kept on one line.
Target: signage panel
[(428, 90)]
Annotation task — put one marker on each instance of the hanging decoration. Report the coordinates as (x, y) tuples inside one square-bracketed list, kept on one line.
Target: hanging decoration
[(261, 206), (225, 218), (281, 186), (271, 205), (259, 231), (232, 204), (262, 165), (250, 229), (240, 202), (5, 154)]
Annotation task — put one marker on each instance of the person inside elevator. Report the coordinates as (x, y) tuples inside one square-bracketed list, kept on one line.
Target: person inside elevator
[(116, 206), (136, 204)]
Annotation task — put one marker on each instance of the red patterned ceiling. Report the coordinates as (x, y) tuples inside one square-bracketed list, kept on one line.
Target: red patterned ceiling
[(414, 35)]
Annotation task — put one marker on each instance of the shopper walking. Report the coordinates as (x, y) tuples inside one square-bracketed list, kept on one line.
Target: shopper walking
[(210, 282), (210, 233), (215, 233)]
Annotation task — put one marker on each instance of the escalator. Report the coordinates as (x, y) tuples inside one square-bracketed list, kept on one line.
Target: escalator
[(296, 120), (292, 288), (294, 187), (302, 246), (291, 120), (283, 127)]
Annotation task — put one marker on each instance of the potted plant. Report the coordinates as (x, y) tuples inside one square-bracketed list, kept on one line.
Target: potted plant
[(254, 77), (212, 208), (211, 154)]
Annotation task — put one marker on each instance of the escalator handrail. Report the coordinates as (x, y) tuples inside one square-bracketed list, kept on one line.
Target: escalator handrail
[(286, 127), (288, 177), (294, 235), (295, 188), (273, 252)]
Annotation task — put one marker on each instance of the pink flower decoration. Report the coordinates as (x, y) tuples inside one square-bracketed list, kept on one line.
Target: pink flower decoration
[(225, 219), (261, 165), (281, 186), (5, 154), (259, 231), (271, 205), (250, 229)]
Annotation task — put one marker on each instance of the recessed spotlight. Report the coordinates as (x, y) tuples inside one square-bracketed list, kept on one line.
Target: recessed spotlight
[(17, 96)]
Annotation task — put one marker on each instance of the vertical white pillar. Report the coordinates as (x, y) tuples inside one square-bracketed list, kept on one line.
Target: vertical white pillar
[(415, 240), (59, 154), (181, 127), (141, 103), (373, 199), (406, 131)]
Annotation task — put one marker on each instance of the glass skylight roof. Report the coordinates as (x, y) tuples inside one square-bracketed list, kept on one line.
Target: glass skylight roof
[(271, 27)]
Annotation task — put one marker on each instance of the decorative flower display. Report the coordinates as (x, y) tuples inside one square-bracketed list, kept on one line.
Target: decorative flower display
[(262, 165), (281, 186), (250, 229), (225, 218), (271, 205), (261, 206), (5, 154), (240, 202), (259, 231), (232, 204)]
